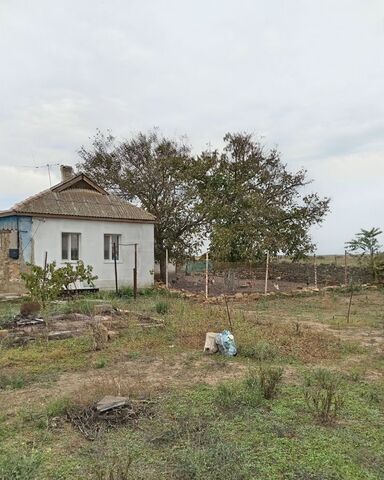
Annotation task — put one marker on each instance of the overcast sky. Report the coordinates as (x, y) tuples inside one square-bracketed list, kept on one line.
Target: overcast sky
[(305, 75)]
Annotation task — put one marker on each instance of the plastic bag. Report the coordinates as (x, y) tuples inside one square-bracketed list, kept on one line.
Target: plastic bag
[(226, 343)]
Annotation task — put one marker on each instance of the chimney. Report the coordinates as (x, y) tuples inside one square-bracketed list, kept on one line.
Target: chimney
[(66, 172)]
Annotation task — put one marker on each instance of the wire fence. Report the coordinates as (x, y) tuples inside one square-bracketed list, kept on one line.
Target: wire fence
[(269, 275)]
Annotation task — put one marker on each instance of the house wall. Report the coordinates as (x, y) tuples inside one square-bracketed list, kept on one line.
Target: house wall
[(15, 232), (47, 238)]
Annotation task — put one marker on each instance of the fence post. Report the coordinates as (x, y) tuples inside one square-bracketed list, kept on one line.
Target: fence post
[(115, 262), (166, 268), (206, 274), (135, 274), (315, 269), (345, 268), (266, 273)]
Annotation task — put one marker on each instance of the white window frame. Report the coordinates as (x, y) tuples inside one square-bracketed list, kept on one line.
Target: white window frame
[(69, 259), (110, 256)]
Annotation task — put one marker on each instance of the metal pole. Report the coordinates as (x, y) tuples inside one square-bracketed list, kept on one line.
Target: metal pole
[(115, 262), (166, 267), (266, 274), (135, 274), (206, 274)]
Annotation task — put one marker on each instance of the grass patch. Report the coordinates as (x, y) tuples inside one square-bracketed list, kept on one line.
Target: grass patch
[(19, 466)]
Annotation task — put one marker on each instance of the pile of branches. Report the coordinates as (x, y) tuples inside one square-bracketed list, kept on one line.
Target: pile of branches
[(92, 423)]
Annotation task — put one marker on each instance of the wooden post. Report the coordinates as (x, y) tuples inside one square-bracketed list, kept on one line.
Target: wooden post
[(115, 262), (206, 274), (135, 274), (266, 273), (315, 269), (349, 305), (45, 268), (345, 268), (166, 268)]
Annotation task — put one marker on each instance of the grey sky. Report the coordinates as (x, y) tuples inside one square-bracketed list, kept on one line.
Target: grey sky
[(307, 75)]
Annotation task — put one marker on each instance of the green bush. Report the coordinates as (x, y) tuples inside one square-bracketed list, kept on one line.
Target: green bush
[(45, 284), (323, 394), (270, 380)]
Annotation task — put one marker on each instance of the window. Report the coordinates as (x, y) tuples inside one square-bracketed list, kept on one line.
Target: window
[(70, 246), (109, 241)]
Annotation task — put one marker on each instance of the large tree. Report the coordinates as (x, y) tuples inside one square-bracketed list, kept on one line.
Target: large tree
[(158, 174), (253, 203)]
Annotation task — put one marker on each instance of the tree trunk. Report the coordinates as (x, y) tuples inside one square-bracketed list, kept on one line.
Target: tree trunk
[(162, 266)]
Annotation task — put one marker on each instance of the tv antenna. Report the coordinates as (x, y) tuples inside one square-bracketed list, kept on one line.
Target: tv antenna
[(48, 167)]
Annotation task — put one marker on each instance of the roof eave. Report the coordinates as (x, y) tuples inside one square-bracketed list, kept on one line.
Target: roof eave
[(77, 217)]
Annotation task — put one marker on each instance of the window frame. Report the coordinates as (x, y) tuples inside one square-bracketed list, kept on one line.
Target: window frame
[(69, 247), (110, 247)]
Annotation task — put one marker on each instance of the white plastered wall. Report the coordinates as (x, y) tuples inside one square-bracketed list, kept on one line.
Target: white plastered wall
[(47, 238)]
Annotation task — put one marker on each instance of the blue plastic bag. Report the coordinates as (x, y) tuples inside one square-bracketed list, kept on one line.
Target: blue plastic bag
[(226, 343)]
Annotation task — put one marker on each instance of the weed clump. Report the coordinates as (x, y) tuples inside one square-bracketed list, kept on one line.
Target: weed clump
[(101, 362), (12, 382), (162, 307), (99, 335), (323, 394), (259, 385), (262, 351), (115, 467), (270, 380)]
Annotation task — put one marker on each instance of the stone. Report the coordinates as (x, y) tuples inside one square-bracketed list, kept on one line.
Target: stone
[(109, 402), (210, 346), (239, 295), (3, 333)]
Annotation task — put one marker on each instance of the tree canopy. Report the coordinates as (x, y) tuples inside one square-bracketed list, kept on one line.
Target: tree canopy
[(366, 242), (253, 203), (159, 174), (243, 200)]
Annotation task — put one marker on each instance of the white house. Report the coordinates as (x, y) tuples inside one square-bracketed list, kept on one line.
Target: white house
[(77, 220)]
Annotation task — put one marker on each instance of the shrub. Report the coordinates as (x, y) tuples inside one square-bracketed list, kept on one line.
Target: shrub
[(270, 380), (262, 351), (162, 307), (45, 284), (323, 394)]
